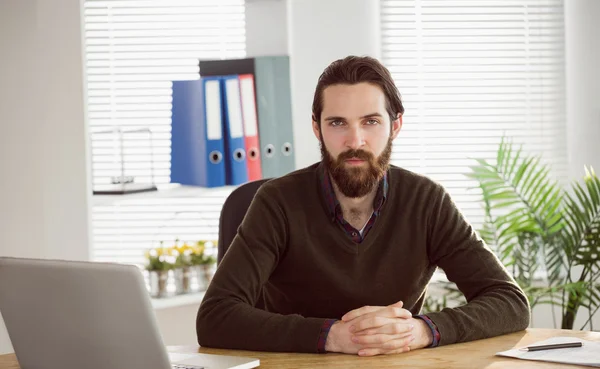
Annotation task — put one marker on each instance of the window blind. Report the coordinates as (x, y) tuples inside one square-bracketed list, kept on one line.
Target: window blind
[(471, 71), (133, 50)]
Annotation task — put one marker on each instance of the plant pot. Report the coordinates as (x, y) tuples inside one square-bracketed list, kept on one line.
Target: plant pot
[(158, 283), (197, 278), (183, 280), (208, 272)]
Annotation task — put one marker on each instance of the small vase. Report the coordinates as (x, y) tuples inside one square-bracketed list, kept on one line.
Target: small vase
[(158, 283), (197, 275), (208, 272), (183, 280)]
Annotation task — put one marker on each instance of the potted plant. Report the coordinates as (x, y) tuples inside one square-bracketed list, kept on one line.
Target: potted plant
[(183, 265), (158, 263), (548, 237), (204, 261)]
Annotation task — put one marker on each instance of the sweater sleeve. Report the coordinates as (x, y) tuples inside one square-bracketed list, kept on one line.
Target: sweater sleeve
[(495, 303), (227, 317)]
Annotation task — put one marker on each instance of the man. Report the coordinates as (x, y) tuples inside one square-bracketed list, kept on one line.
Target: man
[(339, 254)]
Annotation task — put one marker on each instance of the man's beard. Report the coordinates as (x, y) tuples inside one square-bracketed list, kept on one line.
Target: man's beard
[(357, 181)]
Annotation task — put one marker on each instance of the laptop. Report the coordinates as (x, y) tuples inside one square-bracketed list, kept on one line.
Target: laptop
[(88, 315)]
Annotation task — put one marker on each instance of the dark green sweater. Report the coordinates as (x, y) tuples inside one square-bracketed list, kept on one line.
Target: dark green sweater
[(309, 270)]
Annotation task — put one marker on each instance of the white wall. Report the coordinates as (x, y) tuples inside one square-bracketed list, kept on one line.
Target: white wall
[(583, 84), (44, 186), (542, 318), (178, 324), (320, 32), (266, 28)]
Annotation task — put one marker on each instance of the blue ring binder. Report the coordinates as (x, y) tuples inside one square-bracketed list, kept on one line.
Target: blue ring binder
[(239, 155), (215, 157)]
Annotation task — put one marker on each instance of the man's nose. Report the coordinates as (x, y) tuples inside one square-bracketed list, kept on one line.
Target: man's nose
[(355, 139)]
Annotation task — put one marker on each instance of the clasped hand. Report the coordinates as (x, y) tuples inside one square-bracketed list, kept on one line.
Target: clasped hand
[(378, 330)]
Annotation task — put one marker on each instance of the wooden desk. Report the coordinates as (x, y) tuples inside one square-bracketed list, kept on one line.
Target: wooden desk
[(476, 354)]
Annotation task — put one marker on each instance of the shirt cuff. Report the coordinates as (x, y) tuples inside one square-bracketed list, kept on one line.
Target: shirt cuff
[(434, 330), (323, 335)]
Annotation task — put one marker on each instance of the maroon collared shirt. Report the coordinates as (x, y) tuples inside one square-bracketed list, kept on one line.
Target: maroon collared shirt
[(335, 209)]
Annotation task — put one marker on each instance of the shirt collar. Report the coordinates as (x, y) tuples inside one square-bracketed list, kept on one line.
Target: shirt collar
[(333, 205)]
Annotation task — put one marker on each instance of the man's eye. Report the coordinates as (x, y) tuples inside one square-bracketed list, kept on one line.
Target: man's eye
[(372, 122), (336, 123)]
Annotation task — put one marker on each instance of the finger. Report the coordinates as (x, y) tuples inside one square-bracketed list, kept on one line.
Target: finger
[(379, 339), (395, 312), (379, 351), (380, 318), (389, 312), (370, 322), (393, 344), (394, 328), (399, 351), (353, 314), (397, 304)]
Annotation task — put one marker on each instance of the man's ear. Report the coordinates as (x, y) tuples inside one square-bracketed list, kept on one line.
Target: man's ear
[(316, 128), (396, 125)]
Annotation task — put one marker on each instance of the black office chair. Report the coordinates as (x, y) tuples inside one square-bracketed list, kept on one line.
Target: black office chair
[(233, 212)]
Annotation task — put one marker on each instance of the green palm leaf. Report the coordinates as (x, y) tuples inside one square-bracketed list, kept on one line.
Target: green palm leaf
[(533, 225), (582, 216), (523, 212)]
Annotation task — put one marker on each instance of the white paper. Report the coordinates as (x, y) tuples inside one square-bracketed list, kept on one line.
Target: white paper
[(213, 110), (248, 107), (234, 108), (588, 354)]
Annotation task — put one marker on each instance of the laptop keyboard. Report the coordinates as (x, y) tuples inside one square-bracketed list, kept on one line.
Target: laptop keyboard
[(182, 366)]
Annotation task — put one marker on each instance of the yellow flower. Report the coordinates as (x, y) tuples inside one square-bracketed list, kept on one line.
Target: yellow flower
[(184, 249), (199, 249)]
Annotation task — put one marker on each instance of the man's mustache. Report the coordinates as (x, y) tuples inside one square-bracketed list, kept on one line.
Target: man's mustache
[(355, 154)]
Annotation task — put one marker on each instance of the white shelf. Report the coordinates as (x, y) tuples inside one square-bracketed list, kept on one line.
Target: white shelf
[(164, 191), (196, 298), (177, 301)]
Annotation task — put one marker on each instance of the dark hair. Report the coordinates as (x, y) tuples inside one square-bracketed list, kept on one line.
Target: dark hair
[(356, 69)]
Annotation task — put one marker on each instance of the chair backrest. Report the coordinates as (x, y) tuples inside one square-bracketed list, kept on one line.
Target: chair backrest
[(233, 212)]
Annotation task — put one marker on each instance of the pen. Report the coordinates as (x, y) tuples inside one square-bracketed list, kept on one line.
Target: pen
[(552, 347)]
